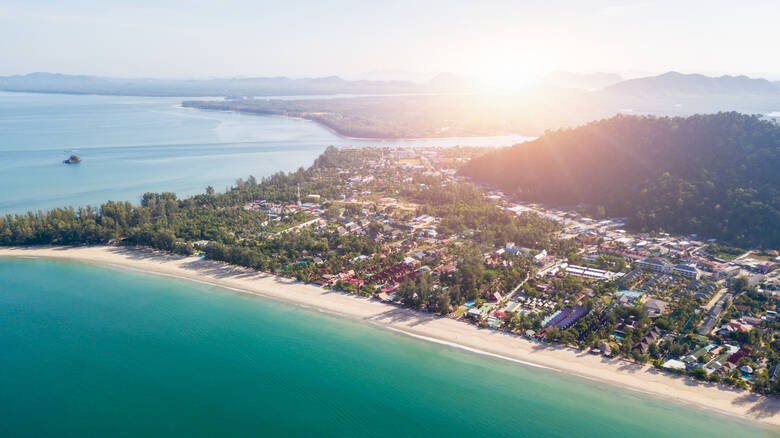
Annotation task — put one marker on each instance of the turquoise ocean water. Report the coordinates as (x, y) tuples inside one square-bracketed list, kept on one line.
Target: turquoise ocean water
[(89, 351), (131, 145)]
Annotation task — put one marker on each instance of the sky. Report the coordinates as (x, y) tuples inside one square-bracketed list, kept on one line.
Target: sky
[(521, 39)]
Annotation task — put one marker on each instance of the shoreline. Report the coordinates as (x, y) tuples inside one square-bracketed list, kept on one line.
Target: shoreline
[(337, 132), (616, 372)]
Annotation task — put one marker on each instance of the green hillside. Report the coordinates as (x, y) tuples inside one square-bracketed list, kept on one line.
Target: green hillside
[(715, 175)]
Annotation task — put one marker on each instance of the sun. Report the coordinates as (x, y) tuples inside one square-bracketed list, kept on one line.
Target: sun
[(505, 78)]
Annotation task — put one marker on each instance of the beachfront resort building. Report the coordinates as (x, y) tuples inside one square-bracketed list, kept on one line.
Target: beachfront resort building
[(658, 265)]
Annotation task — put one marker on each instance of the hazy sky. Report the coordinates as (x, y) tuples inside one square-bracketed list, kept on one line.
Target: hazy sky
[(194, 38)]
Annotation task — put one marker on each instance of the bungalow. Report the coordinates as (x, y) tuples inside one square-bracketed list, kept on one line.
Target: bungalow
[(511, 250), (445, 269), (479, 313), (474, 313), (739, 355), (774, 373), (648, 339), (695, 285), (693, 358), (701, 296), (627, 298), (625, 324), (630, 279), (655, 307), (540, 256), (493, 322), (674, 364), (386, 297)]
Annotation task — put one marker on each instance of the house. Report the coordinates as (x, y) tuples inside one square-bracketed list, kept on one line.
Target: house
[(674, 364), (695, 285), (693, 358), (630, 279), (774, 373), (625, 324), (386, 297), (627, 298), (739, 355), (445, 269), (493, 322), (539, 257), (625, 301), (655, 307), (647, 340)]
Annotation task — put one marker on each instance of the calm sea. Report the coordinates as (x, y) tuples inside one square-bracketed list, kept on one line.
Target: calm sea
[(89, 351), (132, 145)]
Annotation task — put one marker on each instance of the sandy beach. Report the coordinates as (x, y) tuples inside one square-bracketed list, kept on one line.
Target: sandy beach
[(646, 379)]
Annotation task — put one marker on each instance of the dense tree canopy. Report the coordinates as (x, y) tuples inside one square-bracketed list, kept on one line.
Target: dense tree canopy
[(715, 175)]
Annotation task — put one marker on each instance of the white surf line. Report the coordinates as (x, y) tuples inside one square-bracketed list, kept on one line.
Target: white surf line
[(466, 348)]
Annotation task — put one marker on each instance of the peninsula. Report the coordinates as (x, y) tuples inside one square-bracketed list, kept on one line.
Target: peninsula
[(548, 105)]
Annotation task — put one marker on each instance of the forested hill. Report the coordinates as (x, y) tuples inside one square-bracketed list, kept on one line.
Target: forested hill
[(715, 175)]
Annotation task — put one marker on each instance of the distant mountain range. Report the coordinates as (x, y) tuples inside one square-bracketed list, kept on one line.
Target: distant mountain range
[(673, 89), (681, 94), (673, 83), (446, 105), (223, 87)]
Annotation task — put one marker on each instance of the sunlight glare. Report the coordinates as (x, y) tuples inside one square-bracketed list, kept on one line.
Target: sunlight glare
[(506, 78)]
